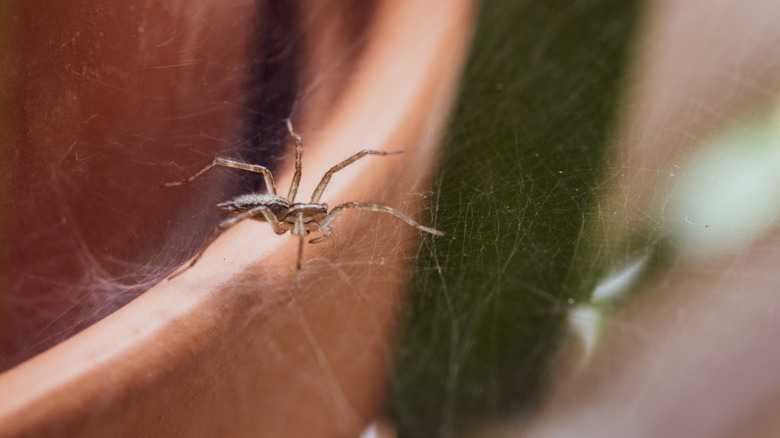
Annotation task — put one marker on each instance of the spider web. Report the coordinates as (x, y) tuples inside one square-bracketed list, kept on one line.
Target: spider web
[(603, 224), (517, 184), (90, 228)]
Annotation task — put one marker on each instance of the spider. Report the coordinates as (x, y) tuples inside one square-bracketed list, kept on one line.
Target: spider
[(283, 213)]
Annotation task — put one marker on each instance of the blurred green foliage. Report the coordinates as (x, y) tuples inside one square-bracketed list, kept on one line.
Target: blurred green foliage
[(521, 159)]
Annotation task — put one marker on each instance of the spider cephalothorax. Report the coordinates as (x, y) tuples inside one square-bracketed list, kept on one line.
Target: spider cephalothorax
[(284, 214)]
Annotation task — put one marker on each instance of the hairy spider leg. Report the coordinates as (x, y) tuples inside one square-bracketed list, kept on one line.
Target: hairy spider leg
[(315, 197), (226, 225), (325, 222), (319, 239), (298, 159), (301, 231), (227, 162)]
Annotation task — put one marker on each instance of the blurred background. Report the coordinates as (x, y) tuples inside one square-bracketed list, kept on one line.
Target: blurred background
[(608, 187)]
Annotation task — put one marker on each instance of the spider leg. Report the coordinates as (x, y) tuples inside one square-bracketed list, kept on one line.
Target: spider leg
[(230, 223), (325, 222), (315, 197), (298, 157), (227, 162), (299, 228), (319, 239)]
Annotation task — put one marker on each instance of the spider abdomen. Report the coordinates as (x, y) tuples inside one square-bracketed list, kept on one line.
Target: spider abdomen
[(277, 204)]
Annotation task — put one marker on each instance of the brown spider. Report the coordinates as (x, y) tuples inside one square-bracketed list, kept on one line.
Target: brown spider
[(285, 214)]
